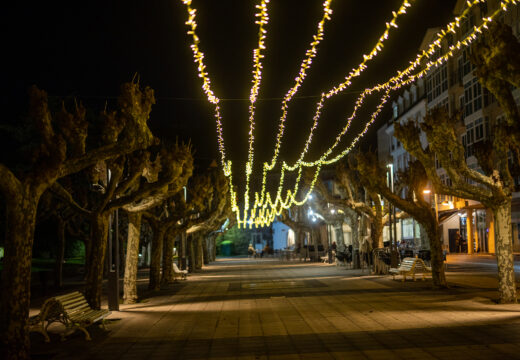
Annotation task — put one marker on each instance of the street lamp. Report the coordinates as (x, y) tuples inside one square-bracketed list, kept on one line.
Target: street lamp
[(393, 239), (427, 192)]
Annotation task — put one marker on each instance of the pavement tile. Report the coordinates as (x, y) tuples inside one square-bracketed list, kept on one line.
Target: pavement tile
[(264, 309)]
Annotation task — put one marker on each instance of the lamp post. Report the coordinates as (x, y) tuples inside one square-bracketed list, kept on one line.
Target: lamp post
[(113, 258), (393, 239)]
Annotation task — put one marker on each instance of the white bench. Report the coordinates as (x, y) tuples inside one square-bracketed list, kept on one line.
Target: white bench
[(411, 266), (78, 315), (178, 273)]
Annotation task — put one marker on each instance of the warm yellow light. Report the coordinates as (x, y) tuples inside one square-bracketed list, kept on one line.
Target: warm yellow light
[(265, 209)]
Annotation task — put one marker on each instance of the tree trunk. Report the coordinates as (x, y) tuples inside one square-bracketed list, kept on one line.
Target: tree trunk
[(355, 225), (205, 251), (377, 232), (155, 265), (182, 251), (132, 258), (190, 248), (60, 254), (437, 257), (315, 240), (167, 273), (94, 282), (504, 253), (16, 274), (122, 255), (198, 252), (214, 248)]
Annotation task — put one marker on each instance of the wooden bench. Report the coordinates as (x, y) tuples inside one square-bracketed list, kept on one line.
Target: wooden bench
[(179, 273), (411, 266), (78, 315), (72, 310)]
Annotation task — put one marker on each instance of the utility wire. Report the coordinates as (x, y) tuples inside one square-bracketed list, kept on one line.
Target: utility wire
[(203, 99)]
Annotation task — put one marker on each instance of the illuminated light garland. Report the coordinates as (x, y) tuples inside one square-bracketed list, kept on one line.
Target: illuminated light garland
[(270, 209), (199, 56), (339, 88), (257, 79), (304, 67), (465, 42), (206, 82), (397, 84), (424, 54)]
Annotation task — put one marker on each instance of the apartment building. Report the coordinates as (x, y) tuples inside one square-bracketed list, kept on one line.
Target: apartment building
[(454, 86)]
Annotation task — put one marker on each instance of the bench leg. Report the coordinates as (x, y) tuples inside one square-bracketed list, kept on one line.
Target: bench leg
[(42, 330), (87, 335)]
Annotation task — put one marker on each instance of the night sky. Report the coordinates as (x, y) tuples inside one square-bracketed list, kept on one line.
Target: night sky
[(87, 49)]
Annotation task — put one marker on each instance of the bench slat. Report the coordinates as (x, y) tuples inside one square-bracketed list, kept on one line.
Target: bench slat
[(76, 304)]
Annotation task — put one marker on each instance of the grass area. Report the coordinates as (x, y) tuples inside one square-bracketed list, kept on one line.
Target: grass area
[(40, 264)]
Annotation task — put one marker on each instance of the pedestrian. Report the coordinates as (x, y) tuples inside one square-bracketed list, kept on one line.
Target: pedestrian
[(251, 251), (458, 242)]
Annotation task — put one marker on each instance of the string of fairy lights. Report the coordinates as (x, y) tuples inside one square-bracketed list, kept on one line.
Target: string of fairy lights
[(264, 209), (262, 21)]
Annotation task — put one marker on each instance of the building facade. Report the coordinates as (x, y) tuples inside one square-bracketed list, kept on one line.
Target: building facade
[(454, 86)]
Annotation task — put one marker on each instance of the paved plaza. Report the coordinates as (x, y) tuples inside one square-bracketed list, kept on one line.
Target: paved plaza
[(266, 309)]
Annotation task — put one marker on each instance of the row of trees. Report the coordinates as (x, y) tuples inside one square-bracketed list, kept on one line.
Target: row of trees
[(80, 168), (363, 182)]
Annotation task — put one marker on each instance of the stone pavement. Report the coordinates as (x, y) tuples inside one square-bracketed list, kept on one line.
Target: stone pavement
[(265, 309)]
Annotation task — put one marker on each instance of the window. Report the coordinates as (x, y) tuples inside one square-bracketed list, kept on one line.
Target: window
[(475, 131), (437, 82), (479, 129), (444, 103), (468, 146), (465, 66), (470, 138), (472, 97), (396, 111), (467, 24), (488, 98)]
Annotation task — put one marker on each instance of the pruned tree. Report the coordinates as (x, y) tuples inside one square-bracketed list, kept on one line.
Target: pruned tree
[(216, 210), (411, 202), (135, 212), (359, 198), (54, 145), (497, 67), (126, 185), (177, 215)]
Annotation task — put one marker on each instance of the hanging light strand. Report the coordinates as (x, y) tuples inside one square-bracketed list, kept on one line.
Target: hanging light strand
[(393, 84), (262, 20), (268, 208), (259, 200)]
